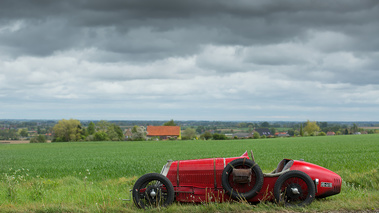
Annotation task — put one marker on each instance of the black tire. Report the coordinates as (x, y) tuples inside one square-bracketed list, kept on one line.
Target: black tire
[(239, 191), (153, 190), (294, 188)]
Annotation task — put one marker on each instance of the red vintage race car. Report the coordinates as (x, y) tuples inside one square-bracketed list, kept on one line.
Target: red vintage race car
[(292, 183)]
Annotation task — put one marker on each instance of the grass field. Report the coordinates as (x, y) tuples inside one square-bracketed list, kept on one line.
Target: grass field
[(96, 176)]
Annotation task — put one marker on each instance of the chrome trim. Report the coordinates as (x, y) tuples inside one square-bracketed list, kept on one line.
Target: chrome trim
[(316, 181), (166, 167)]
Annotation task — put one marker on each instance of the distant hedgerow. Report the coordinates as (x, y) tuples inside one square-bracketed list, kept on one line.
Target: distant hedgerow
[(38, 139)]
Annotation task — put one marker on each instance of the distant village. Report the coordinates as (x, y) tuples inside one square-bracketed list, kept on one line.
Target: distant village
[(40, 131)]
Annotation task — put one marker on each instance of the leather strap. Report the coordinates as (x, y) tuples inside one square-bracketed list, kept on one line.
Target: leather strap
[(215, 181), (177, 175)]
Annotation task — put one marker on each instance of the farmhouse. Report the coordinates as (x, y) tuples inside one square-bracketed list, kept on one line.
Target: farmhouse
[(164, 132), (128, 133), (282, 134), (263, 131), (330, 133)]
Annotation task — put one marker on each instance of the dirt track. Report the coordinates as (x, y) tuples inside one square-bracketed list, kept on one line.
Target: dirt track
[(17, 141), (12, 142)]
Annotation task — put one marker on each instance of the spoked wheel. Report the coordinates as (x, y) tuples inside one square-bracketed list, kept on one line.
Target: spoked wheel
[(294, 188), (245, 190), (153, 190)]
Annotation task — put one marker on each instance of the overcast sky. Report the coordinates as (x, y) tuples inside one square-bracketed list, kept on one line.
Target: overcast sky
[(190, 60)]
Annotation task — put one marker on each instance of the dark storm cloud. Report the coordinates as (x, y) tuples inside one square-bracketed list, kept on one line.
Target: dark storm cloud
[(158, 29)]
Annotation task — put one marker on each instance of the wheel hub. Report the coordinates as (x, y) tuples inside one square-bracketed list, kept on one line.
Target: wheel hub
[(153, 192), (293, 191)]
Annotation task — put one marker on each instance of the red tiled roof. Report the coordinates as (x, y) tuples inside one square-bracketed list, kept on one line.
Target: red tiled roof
[(282, 133), (163, 130)]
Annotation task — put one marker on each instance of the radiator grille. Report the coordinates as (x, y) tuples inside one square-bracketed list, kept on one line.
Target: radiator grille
[(337, 185)]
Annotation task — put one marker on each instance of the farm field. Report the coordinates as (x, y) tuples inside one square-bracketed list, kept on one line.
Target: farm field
[(370, 127), (96, 176)]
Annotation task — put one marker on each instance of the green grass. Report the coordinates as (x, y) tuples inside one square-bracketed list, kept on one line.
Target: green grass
[(96, 176)]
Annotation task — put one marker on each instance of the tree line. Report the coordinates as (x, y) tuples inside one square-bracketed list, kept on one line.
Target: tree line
[(74, 130)]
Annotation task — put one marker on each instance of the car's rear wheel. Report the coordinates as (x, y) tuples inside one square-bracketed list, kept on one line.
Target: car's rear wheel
[(153, 190), (294, 188), (244, 191)]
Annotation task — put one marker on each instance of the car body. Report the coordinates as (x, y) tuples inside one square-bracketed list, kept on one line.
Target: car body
[(293, 182)]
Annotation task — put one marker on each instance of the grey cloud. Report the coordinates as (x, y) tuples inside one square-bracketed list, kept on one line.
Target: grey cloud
[(246, 56), (166, 28), (40, 38)]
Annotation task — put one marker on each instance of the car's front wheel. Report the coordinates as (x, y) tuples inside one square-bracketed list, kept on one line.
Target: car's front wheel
[(294, 188), (153, 190)]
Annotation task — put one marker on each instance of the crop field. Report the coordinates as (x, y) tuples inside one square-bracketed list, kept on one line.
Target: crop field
[(97, 176)]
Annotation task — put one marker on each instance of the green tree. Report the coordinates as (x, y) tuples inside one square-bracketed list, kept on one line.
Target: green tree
[(272, 131), (323, 124), (67, 130), (207, 135), (256, 135), (242, 125), (102, 125), (346, 131), (291, 132), (311, 127), (23, 132), (100, 136), (335, 128), (170, 123), (301, 130), (200, 129), (138, 133), (91, 128), (9, 134), (250, 128), (189, 134), (354, 128), (265, 124), (115, 133), (38, 139), (217, 136), (296, 133)]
